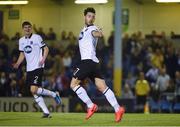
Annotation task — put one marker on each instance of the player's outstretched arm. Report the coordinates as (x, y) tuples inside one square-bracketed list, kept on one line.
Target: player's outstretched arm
[(97, 33), (45, 54), (19, 61)]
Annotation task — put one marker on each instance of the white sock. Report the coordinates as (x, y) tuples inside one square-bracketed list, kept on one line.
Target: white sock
[(42, 91), (82, 94), (40, 101), (111, 98)]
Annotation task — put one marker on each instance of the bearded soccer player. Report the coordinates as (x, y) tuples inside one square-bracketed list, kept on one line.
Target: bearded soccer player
[(89, 68)]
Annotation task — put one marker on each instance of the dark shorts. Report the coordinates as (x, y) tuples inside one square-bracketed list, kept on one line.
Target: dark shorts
[(35, 77), (87, 69)]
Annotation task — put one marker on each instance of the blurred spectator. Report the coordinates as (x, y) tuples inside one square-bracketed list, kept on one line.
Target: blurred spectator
[(101, 43), (63, 35), (163, 81), (142, 89), (111, 41), (67, 60), (178, 59), (155, 43), (58, 65), (177, 82), (40, 32), (171, 62), (13, 84), (3, 49), (125, 39), (157, 58), (51, 34), (172, 34), (16, 37), (131, 81), (126, 92), (136, 60), (154, 33), (5, 88), (152, 75), (3, 36), (72, 39), (61, 83), (2, 83)]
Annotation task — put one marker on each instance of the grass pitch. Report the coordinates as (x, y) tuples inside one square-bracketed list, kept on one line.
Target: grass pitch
[(77, 119)]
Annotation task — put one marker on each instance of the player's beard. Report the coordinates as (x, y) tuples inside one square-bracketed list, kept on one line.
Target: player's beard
[(89, 23)]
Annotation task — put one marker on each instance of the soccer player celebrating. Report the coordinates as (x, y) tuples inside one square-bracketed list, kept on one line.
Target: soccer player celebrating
[(35, 51), (88, 67)]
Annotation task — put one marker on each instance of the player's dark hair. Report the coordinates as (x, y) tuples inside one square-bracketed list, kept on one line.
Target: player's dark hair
[(89, 9), (26, 23)]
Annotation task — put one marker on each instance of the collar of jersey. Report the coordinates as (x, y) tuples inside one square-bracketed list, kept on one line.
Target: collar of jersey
[(29, 36), (90, 25)]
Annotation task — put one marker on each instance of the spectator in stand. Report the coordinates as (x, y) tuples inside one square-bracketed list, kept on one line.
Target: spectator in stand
[(5, 88), (131, 81), (170, 60), (125, 40), (51, 34), (154, 33), (72, 39), (2, 84), (61, 83), (100, 47), (4, 49), (127, 93), (152, 75), (63, 35), (178, 59), (16, 37), (3, 36), (140, 37), (156, 43), (40, 32), (157, 58), (177, 82), (111, 41), (142, 89), (67, 60), (163, 37), (173, 35), (163, 81)]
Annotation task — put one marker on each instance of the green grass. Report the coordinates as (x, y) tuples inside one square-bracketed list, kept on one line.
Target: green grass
[(77, 119)]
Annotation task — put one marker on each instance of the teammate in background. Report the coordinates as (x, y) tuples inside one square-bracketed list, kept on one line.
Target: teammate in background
[(35, 51), (89, 67)]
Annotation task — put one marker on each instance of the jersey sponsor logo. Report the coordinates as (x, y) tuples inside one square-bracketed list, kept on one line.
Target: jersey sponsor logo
[(28, 49), (81, 35)]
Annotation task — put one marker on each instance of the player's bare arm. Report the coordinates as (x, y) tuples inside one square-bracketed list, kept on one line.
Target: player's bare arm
[(19, 61), (97, 34), (45, 54)]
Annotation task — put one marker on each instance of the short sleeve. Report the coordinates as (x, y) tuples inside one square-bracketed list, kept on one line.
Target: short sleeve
[(41, 43), (20, 47), (93, 28)]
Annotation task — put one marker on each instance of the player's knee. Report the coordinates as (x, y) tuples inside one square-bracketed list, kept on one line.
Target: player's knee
[(101, 85), (33, 91), (102, 88), (74, 83)]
